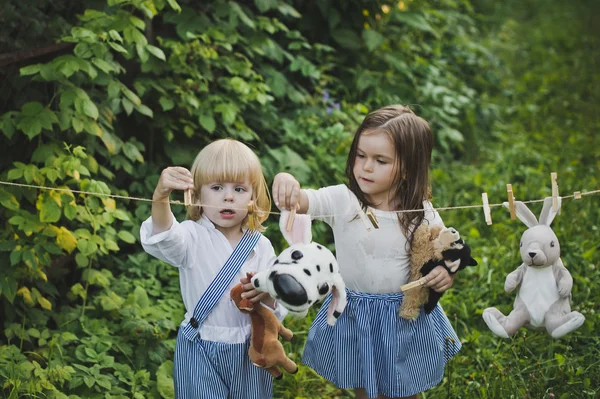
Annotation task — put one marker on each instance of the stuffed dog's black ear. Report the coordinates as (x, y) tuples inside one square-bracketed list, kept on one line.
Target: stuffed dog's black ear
[(472, 262)]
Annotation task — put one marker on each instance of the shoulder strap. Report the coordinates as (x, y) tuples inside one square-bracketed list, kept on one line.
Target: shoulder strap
[(213, 294)]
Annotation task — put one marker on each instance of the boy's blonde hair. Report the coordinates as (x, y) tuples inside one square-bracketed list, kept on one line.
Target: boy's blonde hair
[(229, 160)]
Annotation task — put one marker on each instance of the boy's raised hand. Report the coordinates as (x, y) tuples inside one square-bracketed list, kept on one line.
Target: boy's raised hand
[(286, 191), (173, 178)]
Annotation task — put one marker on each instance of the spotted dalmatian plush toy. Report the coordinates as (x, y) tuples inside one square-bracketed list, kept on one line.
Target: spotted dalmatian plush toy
[(303, 274)]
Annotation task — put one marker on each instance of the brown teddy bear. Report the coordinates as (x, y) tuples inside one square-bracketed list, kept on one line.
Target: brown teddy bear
[(432, 247), (265, 349)]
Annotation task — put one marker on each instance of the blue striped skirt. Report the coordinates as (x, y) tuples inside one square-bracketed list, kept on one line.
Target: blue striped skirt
[(211, 370), (372, 347)]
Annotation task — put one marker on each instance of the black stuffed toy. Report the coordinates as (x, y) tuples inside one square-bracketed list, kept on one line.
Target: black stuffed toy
[(456, 257)]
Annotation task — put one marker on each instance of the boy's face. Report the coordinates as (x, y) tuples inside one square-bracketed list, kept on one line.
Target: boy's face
[(226, 203), (374, 166)]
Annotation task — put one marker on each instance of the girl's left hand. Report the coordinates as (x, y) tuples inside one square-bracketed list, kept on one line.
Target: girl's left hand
[(439, 279)]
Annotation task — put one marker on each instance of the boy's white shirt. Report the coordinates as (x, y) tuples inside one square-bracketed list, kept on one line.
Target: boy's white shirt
[(375, 261), (199, 250)]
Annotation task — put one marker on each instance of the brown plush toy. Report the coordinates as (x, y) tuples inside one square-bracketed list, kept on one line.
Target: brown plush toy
[(265, 349), (432, 247), (422, 251)]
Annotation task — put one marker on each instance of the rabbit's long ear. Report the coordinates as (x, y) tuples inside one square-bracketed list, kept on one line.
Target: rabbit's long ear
[(524, 214), (301, 229), (547, 215)]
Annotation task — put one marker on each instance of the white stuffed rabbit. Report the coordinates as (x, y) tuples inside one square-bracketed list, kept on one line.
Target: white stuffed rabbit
[(544, 298)]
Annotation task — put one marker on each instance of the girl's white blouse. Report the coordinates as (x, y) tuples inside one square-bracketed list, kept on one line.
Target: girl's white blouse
[(199, 250), (376, 261)]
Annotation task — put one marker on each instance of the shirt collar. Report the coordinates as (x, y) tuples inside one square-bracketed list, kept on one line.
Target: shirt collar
[(204, 221)]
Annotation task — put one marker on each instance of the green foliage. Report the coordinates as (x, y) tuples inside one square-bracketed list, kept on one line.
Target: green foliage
[(143, 84)]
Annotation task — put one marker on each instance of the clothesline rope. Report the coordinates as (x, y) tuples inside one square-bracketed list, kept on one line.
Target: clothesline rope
[(447, 208)]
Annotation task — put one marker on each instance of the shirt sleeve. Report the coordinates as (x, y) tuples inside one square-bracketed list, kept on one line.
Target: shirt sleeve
[(171, 246), (328, 202)]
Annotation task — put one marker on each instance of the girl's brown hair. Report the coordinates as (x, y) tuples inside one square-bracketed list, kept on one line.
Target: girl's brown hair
[(229, 160), (413, 142)]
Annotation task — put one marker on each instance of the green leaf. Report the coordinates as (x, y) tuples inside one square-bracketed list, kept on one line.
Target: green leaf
[(126, 236), (142, 53), (103, 65), (81, 259), (15, 174), (131, 95), (32, 108), (118, 47), (30, 70), (145, 110), (66, 240), (92, 128), (50, 211), (138, 23), (141, 297), (110, 142), (116, 36), (347, 38), (127, 105), (155, 51), (416, 21), (164, 380), (8, 287), (8, 200), (8, 127), (235, 7), (228, 112), (287, 9), (174, 5), (77, 125), (70, 210), (30, 126), (132, 152), (265, 5), (90, 109), (166, 103), (372, 38), (207, 122)]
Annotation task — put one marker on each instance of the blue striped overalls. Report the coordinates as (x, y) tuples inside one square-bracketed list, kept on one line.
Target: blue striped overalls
[(214, 370)]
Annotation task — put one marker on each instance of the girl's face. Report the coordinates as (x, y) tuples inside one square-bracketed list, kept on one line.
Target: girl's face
[(374, 167), (226, 204)]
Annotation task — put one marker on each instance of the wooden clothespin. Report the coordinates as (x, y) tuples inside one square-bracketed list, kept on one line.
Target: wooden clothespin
[(418, 283), (511, 202), (290, 221), (577, 195), (487, 212), (372, 218), (187, 197), (364, 219), (251, 215), (555, 207)]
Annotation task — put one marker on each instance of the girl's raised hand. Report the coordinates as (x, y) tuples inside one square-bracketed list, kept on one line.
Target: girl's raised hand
[(286, 191), (439, 279), (251, 293), (173, 178)]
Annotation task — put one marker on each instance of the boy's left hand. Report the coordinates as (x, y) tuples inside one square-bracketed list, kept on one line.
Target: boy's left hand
[(252, 294), (439, 279)]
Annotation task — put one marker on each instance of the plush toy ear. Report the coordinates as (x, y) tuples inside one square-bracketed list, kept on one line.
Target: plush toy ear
[(547, 215), (524, 214), (301, 229), (338, 300)]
